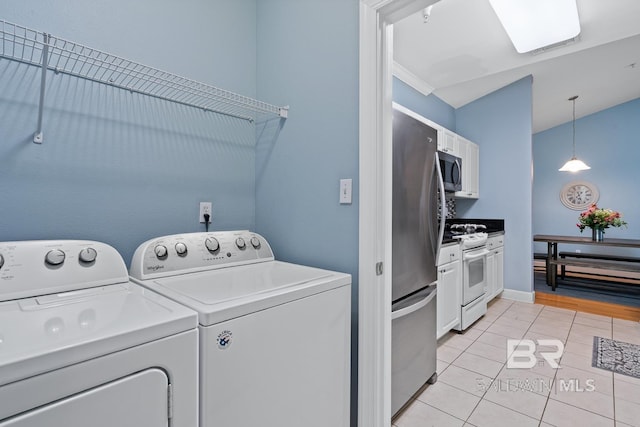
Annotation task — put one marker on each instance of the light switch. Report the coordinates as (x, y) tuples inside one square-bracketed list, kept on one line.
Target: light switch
[(345, 191)]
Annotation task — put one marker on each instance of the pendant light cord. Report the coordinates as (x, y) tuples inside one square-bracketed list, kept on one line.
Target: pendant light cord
[(573, 98)]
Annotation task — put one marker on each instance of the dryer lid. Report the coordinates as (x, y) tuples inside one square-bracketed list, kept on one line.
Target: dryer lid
[(44, 333), (223, 294)]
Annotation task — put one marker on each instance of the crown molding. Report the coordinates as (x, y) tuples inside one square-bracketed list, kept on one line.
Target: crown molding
[(411, 79)]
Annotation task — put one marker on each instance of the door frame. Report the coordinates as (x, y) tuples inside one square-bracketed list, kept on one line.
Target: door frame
[(375, 188)]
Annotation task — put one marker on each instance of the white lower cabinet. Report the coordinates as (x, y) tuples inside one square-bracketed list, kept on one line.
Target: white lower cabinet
[(495, 267), (449, 289)]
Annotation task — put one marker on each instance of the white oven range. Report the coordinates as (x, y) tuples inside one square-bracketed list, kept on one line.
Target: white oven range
[(474, 276)]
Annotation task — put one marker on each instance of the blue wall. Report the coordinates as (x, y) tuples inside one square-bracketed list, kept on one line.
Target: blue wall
[(315, 71), (608, 142), (116, 166), (430, 107), (500, 123)]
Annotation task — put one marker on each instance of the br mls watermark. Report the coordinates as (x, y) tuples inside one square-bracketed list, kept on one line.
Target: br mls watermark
[(526, 354), (525, 358)]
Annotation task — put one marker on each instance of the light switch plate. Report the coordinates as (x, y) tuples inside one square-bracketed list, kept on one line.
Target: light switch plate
[(345, 191)]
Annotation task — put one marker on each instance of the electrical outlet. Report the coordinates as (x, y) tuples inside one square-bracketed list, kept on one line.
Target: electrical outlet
[(205, 208)]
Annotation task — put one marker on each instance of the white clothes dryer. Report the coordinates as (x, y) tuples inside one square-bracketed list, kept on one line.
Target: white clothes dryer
[(274, 336), (80, 345)]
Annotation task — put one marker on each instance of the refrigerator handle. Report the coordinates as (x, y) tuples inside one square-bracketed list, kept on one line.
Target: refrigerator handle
[(417, 306), (443, 208)]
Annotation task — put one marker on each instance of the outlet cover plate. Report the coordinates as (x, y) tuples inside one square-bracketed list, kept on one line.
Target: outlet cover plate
[(205, 207)]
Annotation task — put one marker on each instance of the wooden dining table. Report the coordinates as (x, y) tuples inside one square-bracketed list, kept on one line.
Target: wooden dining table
[(552, 248)]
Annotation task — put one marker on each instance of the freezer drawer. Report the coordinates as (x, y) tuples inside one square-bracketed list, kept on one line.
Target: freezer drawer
[(413, 340)]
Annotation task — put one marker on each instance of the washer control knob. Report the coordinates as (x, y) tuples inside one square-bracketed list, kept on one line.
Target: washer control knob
[(88, 255), (181, 248), (255, 242), (160, 251), (240, 243), (54, 257), (1, 260), (212, 244)]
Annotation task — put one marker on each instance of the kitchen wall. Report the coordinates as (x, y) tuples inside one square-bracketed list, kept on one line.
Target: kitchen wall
[(120, 167), (430, 107), (500, 123), (608, 142), (308, 58)]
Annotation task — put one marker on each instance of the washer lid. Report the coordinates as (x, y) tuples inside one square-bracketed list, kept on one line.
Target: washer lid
[(44, 333), (223, 294)]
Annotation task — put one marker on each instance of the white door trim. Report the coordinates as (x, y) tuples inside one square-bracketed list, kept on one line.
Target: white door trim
[(375, 183)]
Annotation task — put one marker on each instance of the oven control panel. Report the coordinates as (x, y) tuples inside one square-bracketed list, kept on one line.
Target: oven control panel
[(192, 252)]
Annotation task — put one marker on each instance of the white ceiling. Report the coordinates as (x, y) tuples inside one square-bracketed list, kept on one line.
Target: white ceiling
[(463, 53)]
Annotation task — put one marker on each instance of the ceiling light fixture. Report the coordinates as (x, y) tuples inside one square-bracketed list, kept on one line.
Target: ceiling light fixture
[(534, 24), (426, 13), (574, 165)]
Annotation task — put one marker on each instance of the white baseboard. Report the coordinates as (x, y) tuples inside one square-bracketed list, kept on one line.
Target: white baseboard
[(521, 296)]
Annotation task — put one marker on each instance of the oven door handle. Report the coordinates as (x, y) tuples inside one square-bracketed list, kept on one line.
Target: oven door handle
[(475, 256)]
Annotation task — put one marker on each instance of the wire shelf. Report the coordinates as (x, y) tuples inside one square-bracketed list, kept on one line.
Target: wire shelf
[(62, 56)]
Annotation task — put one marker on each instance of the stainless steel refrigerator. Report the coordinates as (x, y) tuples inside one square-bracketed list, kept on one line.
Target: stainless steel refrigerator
[(417, 189)]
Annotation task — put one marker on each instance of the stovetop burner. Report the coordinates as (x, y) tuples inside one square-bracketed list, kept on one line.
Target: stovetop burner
[(457, 229)]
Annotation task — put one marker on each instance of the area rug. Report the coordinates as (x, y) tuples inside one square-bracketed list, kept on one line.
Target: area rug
[(616, 356)]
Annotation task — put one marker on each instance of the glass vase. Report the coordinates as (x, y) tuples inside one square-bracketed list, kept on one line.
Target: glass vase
[(597, 234)]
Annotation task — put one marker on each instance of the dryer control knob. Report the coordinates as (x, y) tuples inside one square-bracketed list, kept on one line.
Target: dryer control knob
[(255, 242), (212, 244), (1, 260), (160, 251), (54, 257), (88, 255), (240, 243), (181, 248)]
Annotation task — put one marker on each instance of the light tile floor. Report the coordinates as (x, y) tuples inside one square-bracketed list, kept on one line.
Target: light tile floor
[(476, 388)]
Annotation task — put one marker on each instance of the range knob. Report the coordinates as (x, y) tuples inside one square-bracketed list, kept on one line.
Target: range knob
[(255, 242), (54, 257), (160, 251), (181, 248), (88, 255), (1, 261), (212, 244), (240, 243)]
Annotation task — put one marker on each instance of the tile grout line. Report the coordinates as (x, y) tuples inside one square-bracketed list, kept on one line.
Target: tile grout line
[(555, 375)]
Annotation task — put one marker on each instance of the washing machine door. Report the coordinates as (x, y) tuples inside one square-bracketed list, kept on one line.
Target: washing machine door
[(137, 400)]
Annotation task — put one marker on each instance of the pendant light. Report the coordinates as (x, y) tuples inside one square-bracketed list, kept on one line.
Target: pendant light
[(574, 165)]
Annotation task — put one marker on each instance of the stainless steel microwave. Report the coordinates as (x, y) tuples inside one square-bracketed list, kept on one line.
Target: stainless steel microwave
[(451, 168)]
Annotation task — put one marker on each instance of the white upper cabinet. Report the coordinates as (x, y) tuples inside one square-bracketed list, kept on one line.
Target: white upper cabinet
[(448, 142), (470, 154)]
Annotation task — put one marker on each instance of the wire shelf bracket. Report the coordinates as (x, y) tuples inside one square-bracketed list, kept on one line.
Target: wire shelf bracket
[(41, 49)]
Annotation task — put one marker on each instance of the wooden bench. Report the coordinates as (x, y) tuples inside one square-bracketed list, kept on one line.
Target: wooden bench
[(605, 262), (601, 257)]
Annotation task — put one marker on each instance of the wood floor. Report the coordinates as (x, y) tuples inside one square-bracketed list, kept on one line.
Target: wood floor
[(589, 306)]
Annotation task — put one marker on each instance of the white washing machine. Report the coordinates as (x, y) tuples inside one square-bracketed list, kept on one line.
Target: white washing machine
[(274, 336), (80, 345)]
